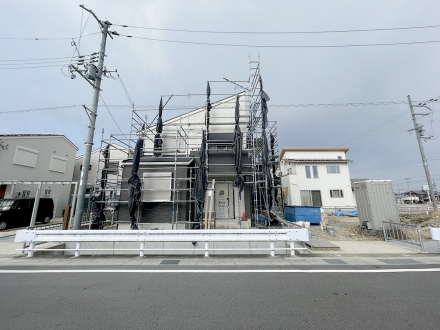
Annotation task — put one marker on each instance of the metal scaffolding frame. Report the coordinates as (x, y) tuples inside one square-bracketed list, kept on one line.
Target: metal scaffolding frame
[(181, 141)]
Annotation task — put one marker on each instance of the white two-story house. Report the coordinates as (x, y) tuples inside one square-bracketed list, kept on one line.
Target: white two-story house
[(316, 177)]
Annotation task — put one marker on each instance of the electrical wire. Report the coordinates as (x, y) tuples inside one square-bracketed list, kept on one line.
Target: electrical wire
[(279, 32), (377, 137), (416, 177), (112, 116), (125, 89), (37, 59), (81, 31), (281, 46), (32, 63), (46, 39), (411, 162), (373, 128), (181, 107), (35, 67)]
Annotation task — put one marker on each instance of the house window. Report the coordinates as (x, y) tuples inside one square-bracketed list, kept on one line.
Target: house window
[(311, 198), (310, 170), (315, 172), (81, 167), (336, 193), (289, 170), (47, 192), (25, 194), (332, 169), (308, 175)]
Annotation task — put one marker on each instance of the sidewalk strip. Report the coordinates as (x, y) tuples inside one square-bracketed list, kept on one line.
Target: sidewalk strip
[(45, 271)]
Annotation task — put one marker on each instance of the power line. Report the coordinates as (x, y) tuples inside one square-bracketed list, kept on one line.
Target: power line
[(279, 32), (377, 137), (373, 128), (38, 59), (282, 46), (153, 107), (125, 89), (34, 67), (32, 63), (415, 177), (410, 162), (45, 39), (112, 116)]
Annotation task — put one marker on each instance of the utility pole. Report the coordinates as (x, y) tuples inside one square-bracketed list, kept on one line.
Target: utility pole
[(409, 192), (93, 76), (420, 134)]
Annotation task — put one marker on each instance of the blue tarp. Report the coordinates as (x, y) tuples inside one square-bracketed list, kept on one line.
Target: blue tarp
[(353, 213)]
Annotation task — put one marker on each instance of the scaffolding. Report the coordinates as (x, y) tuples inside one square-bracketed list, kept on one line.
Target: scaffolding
[(181, 140)]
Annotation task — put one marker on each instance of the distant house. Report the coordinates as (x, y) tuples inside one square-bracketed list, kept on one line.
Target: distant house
[(422, 196), (316, 177), (37, 157)]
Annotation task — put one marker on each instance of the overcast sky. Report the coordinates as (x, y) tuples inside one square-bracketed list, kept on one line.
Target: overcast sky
[(291, 75)]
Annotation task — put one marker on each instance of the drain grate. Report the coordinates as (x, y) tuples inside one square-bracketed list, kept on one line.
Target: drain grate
[(400, 261), (170, 262), (335, 261)]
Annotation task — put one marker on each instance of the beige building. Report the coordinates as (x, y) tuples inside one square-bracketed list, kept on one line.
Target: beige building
[(37, 157)]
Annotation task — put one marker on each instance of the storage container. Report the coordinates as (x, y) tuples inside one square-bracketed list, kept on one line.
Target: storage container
[(310, 214), (375, 202)]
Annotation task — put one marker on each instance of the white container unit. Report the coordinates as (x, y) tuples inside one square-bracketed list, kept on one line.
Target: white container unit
[(375, 202)]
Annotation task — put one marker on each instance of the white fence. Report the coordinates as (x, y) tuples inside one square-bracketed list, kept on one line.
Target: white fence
[(414, 208), (143, 236)]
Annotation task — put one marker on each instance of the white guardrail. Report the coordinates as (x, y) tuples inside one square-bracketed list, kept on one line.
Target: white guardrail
[(144, 236)]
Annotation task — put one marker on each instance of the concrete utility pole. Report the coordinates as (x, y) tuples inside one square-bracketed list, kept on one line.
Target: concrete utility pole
[(409, 192), (419, 133), (96, 78)]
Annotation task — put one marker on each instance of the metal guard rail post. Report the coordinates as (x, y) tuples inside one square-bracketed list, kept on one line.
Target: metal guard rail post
[(142, 236)]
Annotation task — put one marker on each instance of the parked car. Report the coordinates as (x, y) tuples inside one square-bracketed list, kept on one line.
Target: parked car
[(18, 212), (411, 200)]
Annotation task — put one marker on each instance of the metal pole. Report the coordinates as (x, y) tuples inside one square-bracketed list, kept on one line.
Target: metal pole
[(73, 204), (89, 141), (417, 128), (13, 190), (36, 202), (409, 192)]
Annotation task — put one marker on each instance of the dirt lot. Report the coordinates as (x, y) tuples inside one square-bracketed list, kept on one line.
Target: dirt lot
[(348, 229), (424, 221)]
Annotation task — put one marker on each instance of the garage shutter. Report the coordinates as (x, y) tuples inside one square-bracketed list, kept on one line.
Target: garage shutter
[(58, 164), (156, 187)]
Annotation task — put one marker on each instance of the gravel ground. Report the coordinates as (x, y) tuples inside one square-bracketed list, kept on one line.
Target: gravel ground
[(346, 229), (424, 221)]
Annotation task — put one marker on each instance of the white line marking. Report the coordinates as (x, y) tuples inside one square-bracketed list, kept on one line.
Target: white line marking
[(44, 271)]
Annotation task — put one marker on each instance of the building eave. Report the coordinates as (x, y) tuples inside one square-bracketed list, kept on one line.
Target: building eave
[(345, 150)]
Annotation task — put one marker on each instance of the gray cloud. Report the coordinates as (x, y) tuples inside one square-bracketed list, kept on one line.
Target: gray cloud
[(151, 68)]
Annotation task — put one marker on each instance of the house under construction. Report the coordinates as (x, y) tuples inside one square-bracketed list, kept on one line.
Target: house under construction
[(211, 166)]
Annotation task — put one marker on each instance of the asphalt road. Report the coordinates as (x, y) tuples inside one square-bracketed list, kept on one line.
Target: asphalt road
[(220, 300)]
